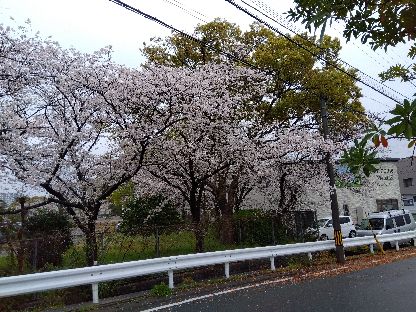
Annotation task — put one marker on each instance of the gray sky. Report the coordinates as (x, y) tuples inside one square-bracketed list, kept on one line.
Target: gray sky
[(88, 25)]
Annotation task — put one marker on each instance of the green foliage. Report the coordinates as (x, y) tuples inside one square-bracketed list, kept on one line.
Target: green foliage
[(359, 158), (161, 290), (147, 212), (295, 83), (384, 23), (119, 198), (403, 124), (254, 227), (50, 234)]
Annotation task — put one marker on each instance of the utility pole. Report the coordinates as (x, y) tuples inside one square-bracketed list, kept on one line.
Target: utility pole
[(339, 247)]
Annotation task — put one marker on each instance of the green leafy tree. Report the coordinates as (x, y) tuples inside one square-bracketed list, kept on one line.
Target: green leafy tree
[(121, 197), (296, 84)]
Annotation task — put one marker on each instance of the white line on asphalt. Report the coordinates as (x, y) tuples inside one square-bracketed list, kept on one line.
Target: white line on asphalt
[(238, 289), (218, 294)]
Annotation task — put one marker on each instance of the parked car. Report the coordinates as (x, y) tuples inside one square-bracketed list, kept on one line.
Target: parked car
[(387, 222), (326, 230)]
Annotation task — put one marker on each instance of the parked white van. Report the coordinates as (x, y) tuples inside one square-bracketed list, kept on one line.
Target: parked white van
[(386, 222), (326, 230)]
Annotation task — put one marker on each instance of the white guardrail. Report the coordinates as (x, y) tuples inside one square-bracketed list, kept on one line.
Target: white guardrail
[(30, 283)]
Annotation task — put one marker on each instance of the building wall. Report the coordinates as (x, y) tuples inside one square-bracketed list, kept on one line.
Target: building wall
[(406, 169), (382, 185)]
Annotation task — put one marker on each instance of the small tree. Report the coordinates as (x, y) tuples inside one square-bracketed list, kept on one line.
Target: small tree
[(50, 236)]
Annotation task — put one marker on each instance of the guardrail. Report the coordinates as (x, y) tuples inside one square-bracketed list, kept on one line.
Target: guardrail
[(30, 283)]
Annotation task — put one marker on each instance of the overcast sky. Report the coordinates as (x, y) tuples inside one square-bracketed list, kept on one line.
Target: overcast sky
[(88, 25)]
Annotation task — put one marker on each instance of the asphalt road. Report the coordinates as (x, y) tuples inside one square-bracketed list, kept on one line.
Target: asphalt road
[(389, 287)]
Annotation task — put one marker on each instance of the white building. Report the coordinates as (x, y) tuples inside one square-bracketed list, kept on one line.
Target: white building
[(380, 192)]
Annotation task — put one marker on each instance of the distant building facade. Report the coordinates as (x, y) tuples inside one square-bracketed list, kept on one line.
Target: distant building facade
[(381, 192), (407, 178)]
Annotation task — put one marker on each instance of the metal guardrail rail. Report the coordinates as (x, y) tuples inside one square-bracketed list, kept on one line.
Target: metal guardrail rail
[(30, 283)]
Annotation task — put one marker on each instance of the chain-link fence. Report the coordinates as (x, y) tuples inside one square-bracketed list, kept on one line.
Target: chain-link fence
[(22, 254)]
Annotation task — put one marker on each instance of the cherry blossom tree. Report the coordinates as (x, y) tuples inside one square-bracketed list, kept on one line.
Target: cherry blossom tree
[(83, 126), (209, 139)]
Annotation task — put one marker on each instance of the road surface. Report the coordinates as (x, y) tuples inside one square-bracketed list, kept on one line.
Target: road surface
[(389, 287)]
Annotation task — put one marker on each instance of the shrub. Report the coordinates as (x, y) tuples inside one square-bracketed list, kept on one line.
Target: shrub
[(161, 290), (145, 213), (49, 234), (255, 227)]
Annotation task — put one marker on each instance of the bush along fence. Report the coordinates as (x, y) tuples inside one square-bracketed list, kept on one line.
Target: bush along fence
[(23, 284)]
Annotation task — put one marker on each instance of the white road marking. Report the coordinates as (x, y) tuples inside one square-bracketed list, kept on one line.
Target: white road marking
[(241, 288), (218, 294)]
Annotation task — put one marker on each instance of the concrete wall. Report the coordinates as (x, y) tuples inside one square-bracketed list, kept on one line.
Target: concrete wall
[(382, 185), (406, 169)]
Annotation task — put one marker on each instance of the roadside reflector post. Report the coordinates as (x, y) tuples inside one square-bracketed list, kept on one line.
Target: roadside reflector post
[(170, 275), (227, 269), (94, 288), (272, 267), (397, 245), (372, 248)]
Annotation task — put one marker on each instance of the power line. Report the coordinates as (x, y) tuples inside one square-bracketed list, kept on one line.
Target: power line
[(182, 33), (180, 6), (292, 27), (368, 84)]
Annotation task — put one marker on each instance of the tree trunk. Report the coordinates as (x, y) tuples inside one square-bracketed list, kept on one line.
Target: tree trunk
[(91, 248), (227, 225), (199, 236)]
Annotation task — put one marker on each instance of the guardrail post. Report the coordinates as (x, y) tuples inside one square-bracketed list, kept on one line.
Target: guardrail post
[(372, 248), (227, 269), (310, 256), (397, 245), (94, 288), (272, 267), (414, 241), (170, 274)]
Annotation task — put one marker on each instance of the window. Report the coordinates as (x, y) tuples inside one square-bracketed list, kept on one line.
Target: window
[(407, 218), (387, 204), (389, 223), (399, 221), (343, 220), (408, 202), (376, 223), (408, 182)]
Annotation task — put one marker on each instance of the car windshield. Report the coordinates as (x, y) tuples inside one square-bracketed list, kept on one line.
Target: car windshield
[(372, 224), (321, 222)]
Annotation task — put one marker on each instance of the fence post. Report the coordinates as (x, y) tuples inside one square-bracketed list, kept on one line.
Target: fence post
[(94, 288), (272, 266), (227, 269), (157, 245), (239, 231), (170, 275), (35, 255)]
